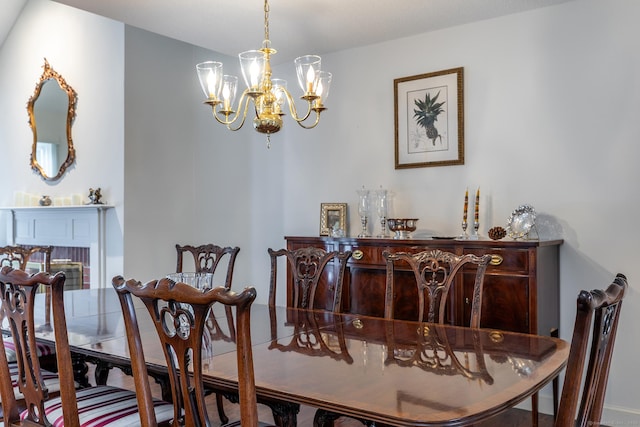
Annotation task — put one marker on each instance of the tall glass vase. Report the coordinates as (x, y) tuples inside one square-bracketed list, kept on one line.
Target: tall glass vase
[(363, 210), (382, 210)]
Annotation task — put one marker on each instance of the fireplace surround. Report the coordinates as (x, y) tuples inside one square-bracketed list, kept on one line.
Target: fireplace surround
[(66, 227)]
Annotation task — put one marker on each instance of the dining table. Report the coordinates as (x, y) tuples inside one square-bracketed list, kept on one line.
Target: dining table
[(392, 372)]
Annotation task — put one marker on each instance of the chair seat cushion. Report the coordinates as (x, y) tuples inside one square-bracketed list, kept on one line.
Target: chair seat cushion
[(105, 406), (42, 349), (50, 380)]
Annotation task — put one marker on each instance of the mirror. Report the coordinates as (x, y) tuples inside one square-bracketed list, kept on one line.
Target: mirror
[(52, 109)]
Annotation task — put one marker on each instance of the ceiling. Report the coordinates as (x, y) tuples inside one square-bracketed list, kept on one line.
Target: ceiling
[(296, 27)]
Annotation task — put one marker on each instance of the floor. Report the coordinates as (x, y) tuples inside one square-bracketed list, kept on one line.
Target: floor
[(512, 418)]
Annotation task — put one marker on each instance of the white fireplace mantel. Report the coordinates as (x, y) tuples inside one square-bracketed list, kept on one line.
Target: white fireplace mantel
[(81, 226)]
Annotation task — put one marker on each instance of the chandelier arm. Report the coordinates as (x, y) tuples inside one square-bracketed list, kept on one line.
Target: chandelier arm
[(313, 125), (244, 109), (293, 110), (218, 119), (226, 121)]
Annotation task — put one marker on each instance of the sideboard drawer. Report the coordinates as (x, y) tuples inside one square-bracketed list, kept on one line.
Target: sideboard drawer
[(373, 255), (504, 261)]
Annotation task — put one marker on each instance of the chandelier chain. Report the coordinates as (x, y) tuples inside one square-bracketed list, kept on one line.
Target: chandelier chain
[(266, 20)]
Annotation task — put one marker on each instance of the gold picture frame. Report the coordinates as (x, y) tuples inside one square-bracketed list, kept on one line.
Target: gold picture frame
[(332, 214), (429, 119)]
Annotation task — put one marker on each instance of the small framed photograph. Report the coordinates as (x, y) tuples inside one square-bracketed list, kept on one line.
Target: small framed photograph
[(429, 119), (333, 216)]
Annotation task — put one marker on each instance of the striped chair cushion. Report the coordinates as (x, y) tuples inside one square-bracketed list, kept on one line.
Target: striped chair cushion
[(10, 349), (103, 406), (50, 380)]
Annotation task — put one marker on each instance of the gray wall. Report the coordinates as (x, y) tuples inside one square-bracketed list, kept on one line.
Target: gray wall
[(186, 179), (551, 97)]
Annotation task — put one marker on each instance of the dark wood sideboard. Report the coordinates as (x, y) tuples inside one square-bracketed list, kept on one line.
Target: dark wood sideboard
[(521, 286)]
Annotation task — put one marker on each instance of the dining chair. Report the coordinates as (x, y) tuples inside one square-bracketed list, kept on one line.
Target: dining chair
[(594, 332), (19, 257), (311, 279), (206, 259), (99, 405), (179, 313), (434, 272)]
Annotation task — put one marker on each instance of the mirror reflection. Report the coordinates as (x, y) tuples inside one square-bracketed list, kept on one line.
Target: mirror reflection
[(51, 113)]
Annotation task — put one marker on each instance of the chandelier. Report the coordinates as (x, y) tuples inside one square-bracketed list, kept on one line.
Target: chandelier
[(267, 94)]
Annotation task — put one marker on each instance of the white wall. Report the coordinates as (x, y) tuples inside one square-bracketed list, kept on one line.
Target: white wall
[(88, 51), (551, 97), (550, 102)]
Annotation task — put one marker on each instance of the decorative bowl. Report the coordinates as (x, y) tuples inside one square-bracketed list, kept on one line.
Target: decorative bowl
[(402, 227)]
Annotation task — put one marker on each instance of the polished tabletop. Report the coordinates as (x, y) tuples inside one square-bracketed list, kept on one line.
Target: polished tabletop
[(395, 372)]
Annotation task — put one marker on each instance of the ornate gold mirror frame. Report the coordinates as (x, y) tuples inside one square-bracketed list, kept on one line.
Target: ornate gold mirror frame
[(53, 103)]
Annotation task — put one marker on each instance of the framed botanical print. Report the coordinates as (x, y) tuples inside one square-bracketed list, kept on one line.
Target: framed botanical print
[(429, 119)]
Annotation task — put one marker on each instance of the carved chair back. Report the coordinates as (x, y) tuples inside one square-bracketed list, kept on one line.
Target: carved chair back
[(19, 256), (597, 316), (179, 313), (435, 271), (207, 258), (310, 271), (18, 299)]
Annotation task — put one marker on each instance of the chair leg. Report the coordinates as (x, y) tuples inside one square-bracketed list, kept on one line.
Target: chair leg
[(324, 418), (534, 410), (285, 414), (101, 373), (80, 369), (555, 333), (220, 404)]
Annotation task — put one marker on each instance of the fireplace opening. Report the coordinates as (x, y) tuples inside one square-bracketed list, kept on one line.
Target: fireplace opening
[(73, 261)]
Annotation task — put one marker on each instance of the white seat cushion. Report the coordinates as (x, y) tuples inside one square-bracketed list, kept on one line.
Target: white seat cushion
[(10, 349), (50, 379), (105, 406)]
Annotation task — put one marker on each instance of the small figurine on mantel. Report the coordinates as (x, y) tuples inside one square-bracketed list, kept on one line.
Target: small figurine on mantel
[(94, 196), (45, 201)]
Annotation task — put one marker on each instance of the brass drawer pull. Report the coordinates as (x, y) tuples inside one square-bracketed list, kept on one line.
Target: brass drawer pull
[(357, 254), (496, 336), (496, 259)]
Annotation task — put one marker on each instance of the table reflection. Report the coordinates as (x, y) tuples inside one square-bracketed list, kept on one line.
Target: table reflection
[(428, 348), (315, 333)]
